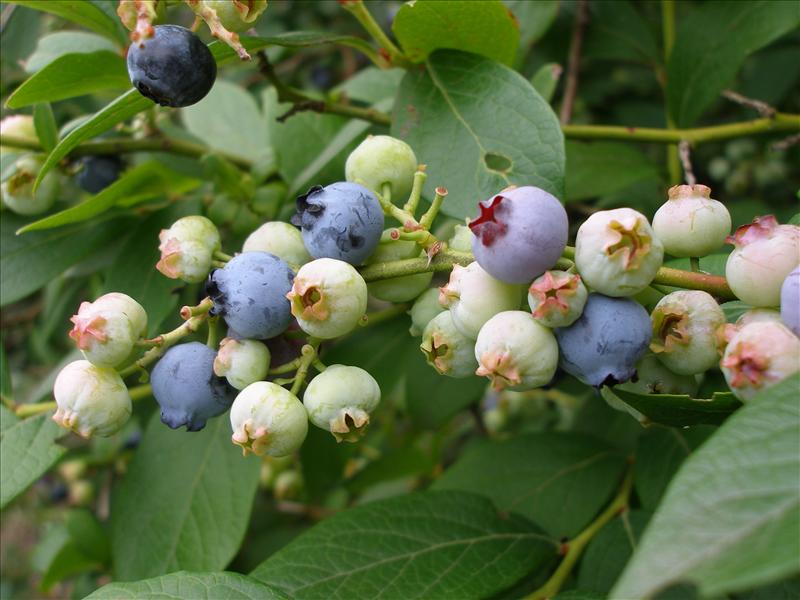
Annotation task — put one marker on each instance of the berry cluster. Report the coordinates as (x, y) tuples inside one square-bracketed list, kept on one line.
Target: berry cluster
[(514, 310)]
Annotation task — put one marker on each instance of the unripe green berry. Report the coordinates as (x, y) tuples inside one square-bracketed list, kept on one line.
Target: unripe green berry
[(461, 240), (473, 297), (18, 126), (241, 362), (765, 254), (425, 307), (685, 325), (398, 289), (288, 485), (107, 329), (381, 159), (653, 377), (328, 298), (691, 223), (281, 239), (187, 249), (268, 419), (448, 350), (340, 400), (557, 298), (91, 400), (237, 15), (515, 351), (17, 191), (617, 253), (758, 356)]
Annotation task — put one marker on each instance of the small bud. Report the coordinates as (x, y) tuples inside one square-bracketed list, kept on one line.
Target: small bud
[(241, 362), (446, 349), (187, 249), (268, 419), (557, 298)]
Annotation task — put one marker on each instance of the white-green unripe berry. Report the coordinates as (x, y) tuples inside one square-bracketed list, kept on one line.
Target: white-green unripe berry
[(91, 400), (758, 315), (328, 298), (18, 126), (617, 252), (17, 191), (398, 289), (237, 15), (557, 298), (461, 240), (281, 239), (690, 222), (473, 297), (287, 485), (448, 350), (268, 419), (106, 330), (515, 351), (382, 159), (425, 307), (765, 254), (653, 377), (241, 362), (685, 325), (340, 400), (187, 249), (758, 356)]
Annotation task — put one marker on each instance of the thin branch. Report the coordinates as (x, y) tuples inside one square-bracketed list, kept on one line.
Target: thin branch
[(684, 151), (573, 65), (764, 109)]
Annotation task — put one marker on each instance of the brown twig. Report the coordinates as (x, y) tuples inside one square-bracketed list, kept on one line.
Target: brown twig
[(684, 151), (573, 64), (764, 109)]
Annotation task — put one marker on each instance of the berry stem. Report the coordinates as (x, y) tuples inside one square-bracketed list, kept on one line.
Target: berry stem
[(576, 545), (221, 256), (140, 391), (386, 191), (694, 264), (29, 410), (360, 12), (212, 341), (379, 316), (308, 357), (416, 191), (288, 367), (427, 219)]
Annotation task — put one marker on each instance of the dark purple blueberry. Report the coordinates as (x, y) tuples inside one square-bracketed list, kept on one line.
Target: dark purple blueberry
[(98, 172), (172, 68)]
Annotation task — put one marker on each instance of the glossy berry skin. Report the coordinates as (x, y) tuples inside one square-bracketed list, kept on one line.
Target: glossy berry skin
[(617, 252), (685, 325), (340, 400), (790, 301), (187, 248), (241, 362), (758, 356), (473, 297), (281, 239), (91, 400), (342, 221), (520, 233), (172, 68), (186, 388), (328, 298), (446, 349), (268, 420), (766, 252), (382, 159), (398, 289), (250, 294), (691, 223), (424, 309), (557, 298), (98, 172), (17, 191), (603, 346), (516, 352)]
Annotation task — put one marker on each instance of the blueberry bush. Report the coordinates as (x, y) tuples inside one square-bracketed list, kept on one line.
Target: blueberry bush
[(436, 299)]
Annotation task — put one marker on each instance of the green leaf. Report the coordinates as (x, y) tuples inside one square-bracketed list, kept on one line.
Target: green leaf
[(83, 13), (290, 39), (53, 46), (546, 79), (659, 455), (45, 123), (134, 272), (705, 60), (607, 553), (6, 388), (730, 517), (143, 182), (186, 498), (124, 107), (580, 595), (734, 309), (619, 32), (27, 451), (424, 545), (599, 168), (229, 120), (72, 75), (184, 585), (489, 117), (534, 18), (30, 261), (486, 28), (558, 480), (678, 410)]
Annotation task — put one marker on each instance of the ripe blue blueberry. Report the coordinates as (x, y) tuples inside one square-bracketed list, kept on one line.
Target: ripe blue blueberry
[(186, 388), (98, 172), (173, 68), (342, 221), (520, 233), (250, 294), (790, 301), (603, 346)]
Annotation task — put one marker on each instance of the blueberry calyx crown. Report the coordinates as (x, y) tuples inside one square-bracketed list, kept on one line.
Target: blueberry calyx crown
[(486, 226), (305, 207)]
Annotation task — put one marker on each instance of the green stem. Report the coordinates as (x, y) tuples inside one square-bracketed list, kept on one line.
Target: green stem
[(308, 357), (285, 367), (694, 264), (427, 219), (360, 12), (379, 316), (140, 391), (212, 341), (416, 191), (576, 546), (221, 256)]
